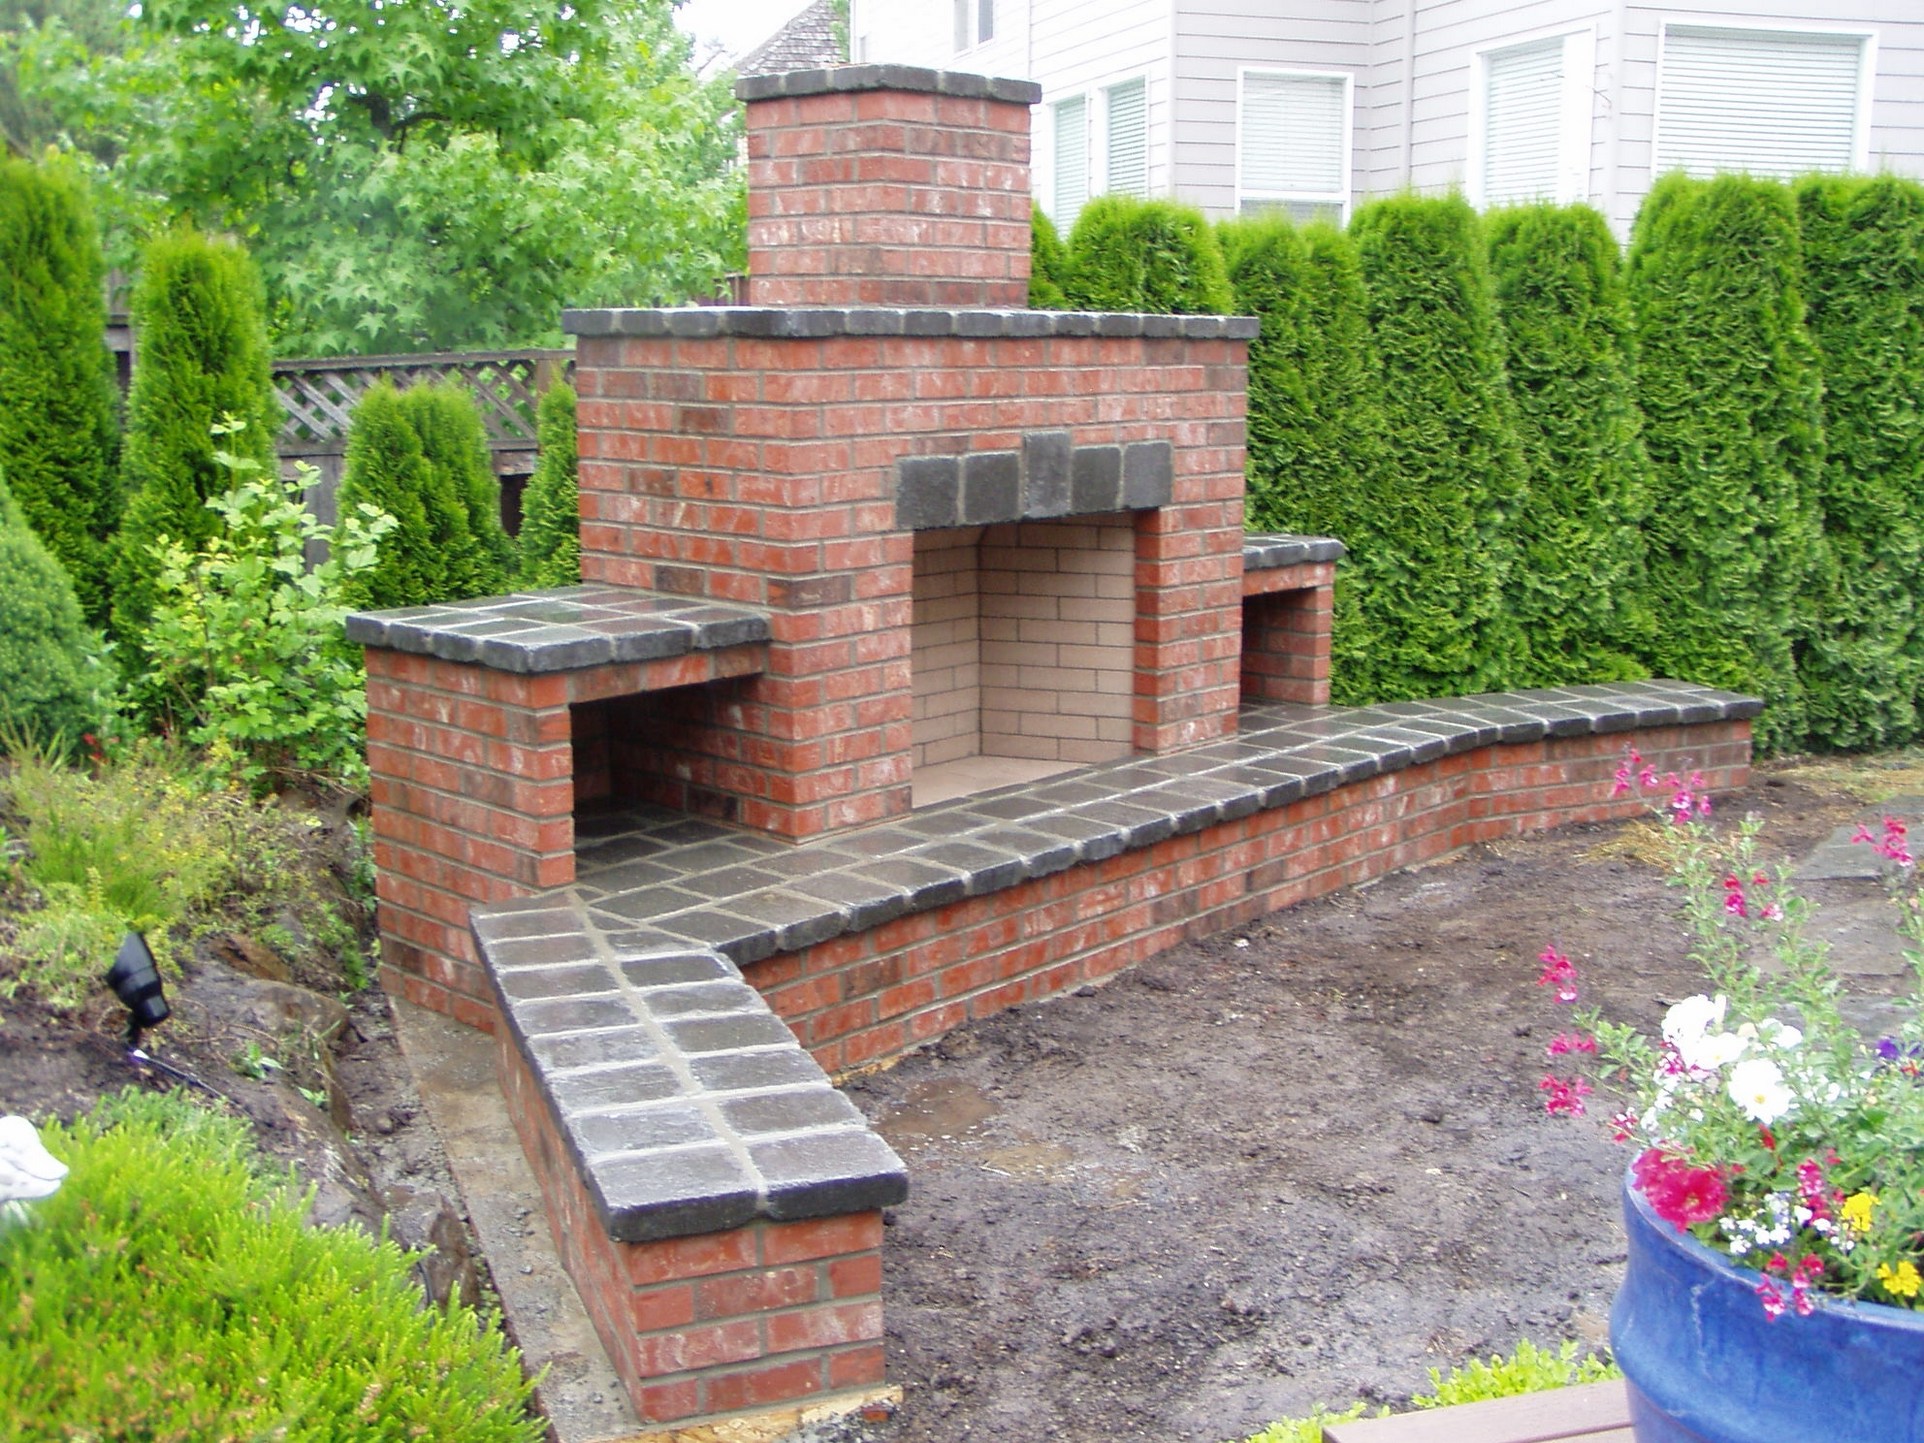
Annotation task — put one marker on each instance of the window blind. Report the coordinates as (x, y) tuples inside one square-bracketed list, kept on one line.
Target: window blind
[(1128, 119), (1071, 158), (1523, 122), (1774, 103), (1293, 133)]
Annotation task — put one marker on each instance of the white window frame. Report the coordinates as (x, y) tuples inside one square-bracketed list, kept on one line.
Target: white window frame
[(1576, 118), (1065, 219), (1866, 72), (968, 20), (1108, 144), (1342, 199)]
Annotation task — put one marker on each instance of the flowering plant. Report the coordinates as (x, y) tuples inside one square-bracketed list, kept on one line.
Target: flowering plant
[(1764, 1122)]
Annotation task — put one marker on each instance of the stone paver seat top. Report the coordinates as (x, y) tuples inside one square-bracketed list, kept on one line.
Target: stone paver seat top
[(690, 1106), (1273, 550), (561, 629)]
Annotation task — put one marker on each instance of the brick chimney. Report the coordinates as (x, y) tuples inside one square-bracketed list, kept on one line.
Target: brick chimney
[(886, 185)]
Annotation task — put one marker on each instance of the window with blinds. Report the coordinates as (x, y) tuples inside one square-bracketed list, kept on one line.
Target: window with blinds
[(1071, 159), (1530, 121), (1293, 142), (1778, 103), (985, 21), (1128, 125)]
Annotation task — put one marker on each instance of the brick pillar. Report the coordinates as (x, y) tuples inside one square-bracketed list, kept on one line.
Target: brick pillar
[(882, 185)]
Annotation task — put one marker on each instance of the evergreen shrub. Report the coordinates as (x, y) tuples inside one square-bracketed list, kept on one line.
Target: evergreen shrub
[(169, 1289), (1048, 260), (1864, 267), (1157, 256), (59, 436), (52, 682), (1316, 460), (424, 558), (1432, 613), (454, 443), (551, 506), (1728, 382), (198, 323), (1576, 581)]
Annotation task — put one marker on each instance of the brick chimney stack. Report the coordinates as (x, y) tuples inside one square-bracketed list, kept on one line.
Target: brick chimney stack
[(887, 185)]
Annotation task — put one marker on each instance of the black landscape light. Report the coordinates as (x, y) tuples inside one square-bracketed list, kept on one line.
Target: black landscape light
[(136, 982)]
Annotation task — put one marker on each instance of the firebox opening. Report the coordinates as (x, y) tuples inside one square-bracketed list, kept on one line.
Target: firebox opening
[(1023, 652), (655, 749)]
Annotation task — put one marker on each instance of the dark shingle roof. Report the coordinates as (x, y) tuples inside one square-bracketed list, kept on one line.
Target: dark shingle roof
[(805, 43)]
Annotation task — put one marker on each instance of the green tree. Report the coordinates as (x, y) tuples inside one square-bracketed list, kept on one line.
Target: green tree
[(1047, 262), (1157, 256), (551, 506), (51, 683), (417, 175), (1864, 268), (421, 560), (1433, 609), (58, 432), (202, 356), (454, 443), (1728, 382), (1316, 461), (1576, 584)]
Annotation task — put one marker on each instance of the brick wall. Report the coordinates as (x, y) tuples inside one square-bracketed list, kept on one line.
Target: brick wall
[(945, 659), (761, 471), (865, 998), (889, 197), (716, 1323)]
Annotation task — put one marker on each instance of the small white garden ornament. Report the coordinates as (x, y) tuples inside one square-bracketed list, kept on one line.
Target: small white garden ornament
[(28, 1172)]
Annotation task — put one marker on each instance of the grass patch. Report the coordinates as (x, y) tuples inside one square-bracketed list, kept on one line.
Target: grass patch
[(169, 1290), (1869, 778)]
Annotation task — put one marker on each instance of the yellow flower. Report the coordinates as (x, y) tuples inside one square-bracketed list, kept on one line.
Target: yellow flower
[(1857, 1211), (1902, 1281)]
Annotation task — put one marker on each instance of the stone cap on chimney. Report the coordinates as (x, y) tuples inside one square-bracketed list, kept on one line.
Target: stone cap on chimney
[(843, 79)]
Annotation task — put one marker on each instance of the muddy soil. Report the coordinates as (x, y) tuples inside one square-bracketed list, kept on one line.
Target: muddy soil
[(1298, 1164)]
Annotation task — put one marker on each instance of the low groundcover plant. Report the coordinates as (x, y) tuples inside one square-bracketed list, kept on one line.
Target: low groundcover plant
[(1765, 1124)]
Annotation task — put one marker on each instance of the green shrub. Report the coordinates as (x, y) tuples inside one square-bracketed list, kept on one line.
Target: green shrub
[(551, 506), (52, 682), (1316, 460), (1728, 382), (1864, 268), (1048, 259), (1577, 579), (197, 314), (1529, 1370), (454, 443), (387, 469), (1126, 254), (170, 1290), (1436, 566), (58, 433), (247, 654)]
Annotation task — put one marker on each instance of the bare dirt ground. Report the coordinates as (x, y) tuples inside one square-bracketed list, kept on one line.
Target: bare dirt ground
[(1297, 1164)]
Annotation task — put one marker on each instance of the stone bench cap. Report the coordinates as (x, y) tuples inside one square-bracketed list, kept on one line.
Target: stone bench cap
[(821, 323), (1273, 550), (563, 629), (686, 1104), (840, 79)]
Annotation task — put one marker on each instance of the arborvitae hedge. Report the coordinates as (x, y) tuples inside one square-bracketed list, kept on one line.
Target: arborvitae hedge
[(202, 354), (551, 506), (1731, 397), (1048, 260), (48, 686), (424, 558), (454, 443), (1864, 268), (1145, 255), (1576, 581), (1315, 407), (1433, 614), (58, 434)]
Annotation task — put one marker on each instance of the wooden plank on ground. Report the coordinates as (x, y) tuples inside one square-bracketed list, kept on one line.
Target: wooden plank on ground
[(1593, 1413)]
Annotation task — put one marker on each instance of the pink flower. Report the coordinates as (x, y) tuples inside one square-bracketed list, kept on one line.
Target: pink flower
[(1734, 898), (1623, 1127), (1568, 1042), (1679, 1193), (1558, 972), (1566, 1097)]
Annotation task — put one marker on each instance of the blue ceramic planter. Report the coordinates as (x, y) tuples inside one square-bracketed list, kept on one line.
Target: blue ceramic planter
[(1705, 1365)]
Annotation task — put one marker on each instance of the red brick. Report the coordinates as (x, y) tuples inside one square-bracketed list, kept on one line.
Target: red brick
[(824, 1327), (822, 1238), (763, 1387)]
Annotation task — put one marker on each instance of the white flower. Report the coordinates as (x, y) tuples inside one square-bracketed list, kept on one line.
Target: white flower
[(1771, 1033), (1757, 1086), (1692, 1018), (27, 1170)]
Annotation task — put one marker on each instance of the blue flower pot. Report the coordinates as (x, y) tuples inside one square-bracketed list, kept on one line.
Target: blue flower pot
[(1705, 1365)]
